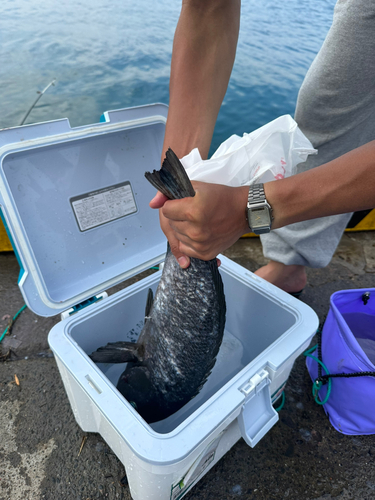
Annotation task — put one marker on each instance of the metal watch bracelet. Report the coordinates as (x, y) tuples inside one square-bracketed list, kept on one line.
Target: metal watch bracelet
[(256, 194)]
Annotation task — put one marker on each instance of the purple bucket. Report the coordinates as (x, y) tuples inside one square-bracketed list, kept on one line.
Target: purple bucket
[(347, 347)]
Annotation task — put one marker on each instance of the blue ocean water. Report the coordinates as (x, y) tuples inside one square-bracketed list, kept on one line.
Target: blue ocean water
[(111, 55)]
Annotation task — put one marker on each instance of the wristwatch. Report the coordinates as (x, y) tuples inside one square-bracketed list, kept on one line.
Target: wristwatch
[(259, 211)]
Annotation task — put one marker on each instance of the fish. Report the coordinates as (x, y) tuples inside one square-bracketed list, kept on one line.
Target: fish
[(183, 327)]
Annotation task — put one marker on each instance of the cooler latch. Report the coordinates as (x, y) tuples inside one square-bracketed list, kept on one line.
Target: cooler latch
[(82, 305), (257, 415)]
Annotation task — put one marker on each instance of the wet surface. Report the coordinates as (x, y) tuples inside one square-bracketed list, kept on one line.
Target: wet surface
[(45, 455)]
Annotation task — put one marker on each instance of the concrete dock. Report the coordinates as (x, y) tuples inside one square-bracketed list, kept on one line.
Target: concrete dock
[(45, 455)]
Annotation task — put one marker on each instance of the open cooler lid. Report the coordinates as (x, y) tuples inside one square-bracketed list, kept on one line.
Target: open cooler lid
[(76, 204)]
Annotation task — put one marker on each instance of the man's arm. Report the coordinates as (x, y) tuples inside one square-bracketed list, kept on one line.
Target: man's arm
[(203, 54), (215, 217), (346, 184)]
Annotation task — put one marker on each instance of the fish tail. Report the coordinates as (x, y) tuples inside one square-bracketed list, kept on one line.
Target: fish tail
[(172, 179)]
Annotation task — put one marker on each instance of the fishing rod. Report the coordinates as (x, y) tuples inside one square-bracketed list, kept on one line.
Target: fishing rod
[(37, 99)]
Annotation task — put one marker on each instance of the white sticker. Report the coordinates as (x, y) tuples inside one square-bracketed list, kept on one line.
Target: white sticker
[(179, 489), (196, 470), (105, 205)]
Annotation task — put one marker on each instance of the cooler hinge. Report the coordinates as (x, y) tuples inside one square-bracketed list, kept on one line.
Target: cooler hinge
[(82, 305), (257, 415)]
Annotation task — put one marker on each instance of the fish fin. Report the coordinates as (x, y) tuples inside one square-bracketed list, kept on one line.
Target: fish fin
[(116, 352), (172, 179), (149, 302), (219, 287)]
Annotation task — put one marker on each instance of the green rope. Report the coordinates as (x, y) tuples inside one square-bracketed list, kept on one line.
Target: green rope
[(282, 402), (13, 320), (317, 385), (309, 351)]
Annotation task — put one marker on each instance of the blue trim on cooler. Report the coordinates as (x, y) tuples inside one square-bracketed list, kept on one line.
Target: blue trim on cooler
[(84, 304), (13, 246)]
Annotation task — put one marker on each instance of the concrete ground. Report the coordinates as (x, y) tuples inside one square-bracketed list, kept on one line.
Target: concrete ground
[(45, 455)]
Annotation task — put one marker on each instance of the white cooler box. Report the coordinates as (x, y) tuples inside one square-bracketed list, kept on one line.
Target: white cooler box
[(76, 205)]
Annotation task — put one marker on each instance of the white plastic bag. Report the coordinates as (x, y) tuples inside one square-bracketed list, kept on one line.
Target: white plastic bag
[(270, 152)]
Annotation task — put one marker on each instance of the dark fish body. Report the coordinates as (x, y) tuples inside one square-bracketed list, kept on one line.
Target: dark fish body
[(183, 328)]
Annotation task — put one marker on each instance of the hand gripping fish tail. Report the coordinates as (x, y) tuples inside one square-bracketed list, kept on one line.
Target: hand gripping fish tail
[(183, 329)]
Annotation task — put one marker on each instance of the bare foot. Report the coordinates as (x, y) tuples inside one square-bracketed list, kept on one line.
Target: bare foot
[(288, 278)]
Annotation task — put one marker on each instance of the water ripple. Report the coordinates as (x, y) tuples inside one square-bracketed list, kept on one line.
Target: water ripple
[(108, 55)]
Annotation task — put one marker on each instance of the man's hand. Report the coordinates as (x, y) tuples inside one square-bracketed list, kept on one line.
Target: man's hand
[(206, 224), (158, 202)]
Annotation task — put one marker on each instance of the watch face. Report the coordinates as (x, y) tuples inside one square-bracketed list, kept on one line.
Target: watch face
[(259, 217)]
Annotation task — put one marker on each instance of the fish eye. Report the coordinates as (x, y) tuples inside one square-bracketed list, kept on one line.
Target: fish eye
[(134, 404)]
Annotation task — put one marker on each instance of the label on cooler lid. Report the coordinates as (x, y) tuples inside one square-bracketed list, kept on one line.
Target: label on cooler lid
[(104, 205)]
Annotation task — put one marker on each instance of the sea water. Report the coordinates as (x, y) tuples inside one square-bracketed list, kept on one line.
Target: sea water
[(112, 55)]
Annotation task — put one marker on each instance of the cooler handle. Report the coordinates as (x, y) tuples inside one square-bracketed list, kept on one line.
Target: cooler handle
[(257, 415)]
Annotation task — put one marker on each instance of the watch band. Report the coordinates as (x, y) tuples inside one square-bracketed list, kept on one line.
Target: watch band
[(256, 194), (256, 202)]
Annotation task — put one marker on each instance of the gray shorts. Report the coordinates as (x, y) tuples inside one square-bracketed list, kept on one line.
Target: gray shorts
[(336, 111)]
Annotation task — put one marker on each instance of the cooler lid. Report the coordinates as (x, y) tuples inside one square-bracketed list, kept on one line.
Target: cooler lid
[(75, 202)]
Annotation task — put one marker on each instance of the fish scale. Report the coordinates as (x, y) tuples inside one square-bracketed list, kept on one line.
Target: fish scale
[(194, 345), (184, 325)]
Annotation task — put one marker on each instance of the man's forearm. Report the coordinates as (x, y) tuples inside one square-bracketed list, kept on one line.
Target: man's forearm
[(346, 184), (208, 223), (203, 54)]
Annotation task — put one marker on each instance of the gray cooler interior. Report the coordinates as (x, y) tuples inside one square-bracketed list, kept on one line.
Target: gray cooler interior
[(254, 321), (43, 182)]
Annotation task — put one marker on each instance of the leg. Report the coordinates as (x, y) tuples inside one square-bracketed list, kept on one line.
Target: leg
[(292, 279)]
